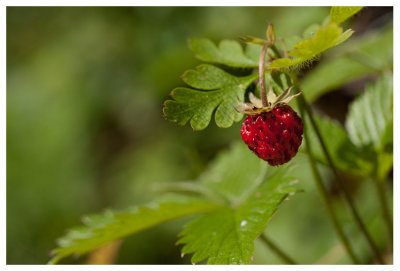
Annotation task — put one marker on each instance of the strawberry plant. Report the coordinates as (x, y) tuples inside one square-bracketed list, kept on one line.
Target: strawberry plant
[(232, 202)]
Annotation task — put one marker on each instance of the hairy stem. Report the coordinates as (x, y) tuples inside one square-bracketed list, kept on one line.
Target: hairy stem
[(325, 196), (261, 74), (347, 196), (304, 105), (381, 189), (286, 258)]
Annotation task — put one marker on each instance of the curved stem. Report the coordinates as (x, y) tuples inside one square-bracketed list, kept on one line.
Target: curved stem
[(379, 183), (346, 193), (325, 196), (303, 104), (380, 187), (286, 258), (261, 74)]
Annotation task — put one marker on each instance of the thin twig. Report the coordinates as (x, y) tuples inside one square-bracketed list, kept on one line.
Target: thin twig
[(286, 258), (348, 197), (346, 193), (381, 189), (325, 196), (261, 74)]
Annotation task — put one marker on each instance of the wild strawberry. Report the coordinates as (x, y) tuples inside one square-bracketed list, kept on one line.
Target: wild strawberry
[(273, 133)]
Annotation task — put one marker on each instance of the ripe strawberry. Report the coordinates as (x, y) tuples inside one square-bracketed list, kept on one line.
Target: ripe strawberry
[(273, 133)]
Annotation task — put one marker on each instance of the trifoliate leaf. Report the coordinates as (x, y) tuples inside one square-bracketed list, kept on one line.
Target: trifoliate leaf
[(227, 236), (345, 155), (306, 50), (219, 92), (371, 113), (340, 14), (101, 229), (357, 58), (229, 52)]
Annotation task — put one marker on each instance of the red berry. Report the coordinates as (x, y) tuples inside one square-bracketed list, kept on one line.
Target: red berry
[(274, 136)]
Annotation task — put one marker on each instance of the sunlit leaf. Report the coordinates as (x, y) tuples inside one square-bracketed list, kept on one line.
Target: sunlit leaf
[(357, 58), (101, 229), (307, 50), (341, 14), (218, 92)]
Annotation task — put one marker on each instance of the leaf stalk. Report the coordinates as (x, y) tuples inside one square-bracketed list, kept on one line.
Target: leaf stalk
[(325, 196), (278, 251), (261, 73), (347, 196)]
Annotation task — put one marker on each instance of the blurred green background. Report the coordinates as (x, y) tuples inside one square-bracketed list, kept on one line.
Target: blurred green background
[(85, 131)]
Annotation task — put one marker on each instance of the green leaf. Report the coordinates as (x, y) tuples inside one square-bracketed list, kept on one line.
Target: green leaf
[(229, 52), (221, 93), (359, 57), (340, 14), (370, 123), (371, 114), (345, 155), (307, 50), (227, 236), (235, 173), (101, 229)]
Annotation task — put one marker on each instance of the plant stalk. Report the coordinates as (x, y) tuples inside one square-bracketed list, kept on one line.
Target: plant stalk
[(325, 196), (286, 258), (380, 187), (304, 105), (261, 74), (342, 186)]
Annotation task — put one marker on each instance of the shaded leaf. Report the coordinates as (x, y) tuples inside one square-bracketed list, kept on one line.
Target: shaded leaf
[(229, 52), (306, 50), (345, 155), (219, 92), (101, 229), (371, 113), (340, 14), (227, 236), (357, 58)]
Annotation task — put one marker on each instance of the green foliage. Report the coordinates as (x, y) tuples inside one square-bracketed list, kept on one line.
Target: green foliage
[(341, 14), (306, 50), (345, 155), (237, 195), (370, 122), (243, 216), (358, 57), (94, 147), (101, 229), (227, 236), (216, 90), (371, 113), (368, 134), (219, 92), (229, 53), (234, 174)]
